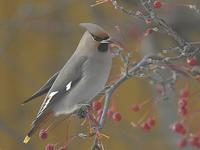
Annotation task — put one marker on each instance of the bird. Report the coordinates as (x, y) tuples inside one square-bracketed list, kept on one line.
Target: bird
[(81, 79)]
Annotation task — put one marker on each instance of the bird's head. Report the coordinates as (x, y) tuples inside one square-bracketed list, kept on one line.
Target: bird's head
[(98, 35)]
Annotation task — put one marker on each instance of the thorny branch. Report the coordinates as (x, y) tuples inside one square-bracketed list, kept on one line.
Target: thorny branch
[(184, 48)]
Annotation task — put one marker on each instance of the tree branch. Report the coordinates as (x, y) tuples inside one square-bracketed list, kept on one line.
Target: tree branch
[(185, 48)]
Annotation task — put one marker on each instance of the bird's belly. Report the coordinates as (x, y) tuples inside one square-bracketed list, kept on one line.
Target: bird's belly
[(88, 87)]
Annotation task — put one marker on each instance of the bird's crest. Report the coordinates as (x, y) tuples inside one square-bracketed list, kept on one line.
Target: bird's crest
[(95, 30)]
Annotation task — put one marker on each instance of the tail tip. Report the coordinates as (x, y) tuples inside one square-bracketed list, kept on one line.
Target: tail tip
[(26, 139)]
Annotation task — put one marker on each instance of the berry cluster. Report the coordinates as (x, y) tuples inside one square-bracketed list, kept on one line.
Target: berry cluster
[(179, 127), (148, 124), (193, 140), (43, 135), (115, 116)]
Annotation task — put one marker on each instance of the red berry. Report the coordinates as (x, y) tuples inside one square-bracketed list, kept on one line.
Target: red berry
[(151, 121), (192, 61), (63, 148), (182, 143), (96, 105), (184, 93), (157, 4), (136, 108), (194, 140), (49, 147), (178, 128), (116, 116), (43, 134), (146, 126), (110, 113)]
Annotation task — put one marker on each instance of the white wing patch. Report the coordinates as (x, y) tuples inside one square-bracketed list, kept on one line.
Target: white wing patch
[(51, 95), (68, 86)]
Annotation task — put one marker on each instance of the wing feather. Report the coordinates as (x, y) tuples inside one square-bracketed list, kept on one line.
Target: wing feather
[(43, 90)]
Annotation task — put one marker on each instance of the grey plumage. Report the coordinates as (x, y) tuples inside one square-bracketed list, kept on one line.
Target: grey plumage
[(81, 79)]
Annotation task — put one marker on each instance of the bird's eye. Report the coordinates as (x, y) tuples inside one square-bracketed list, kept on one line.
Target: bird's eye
[(103, 47), (99, 39)]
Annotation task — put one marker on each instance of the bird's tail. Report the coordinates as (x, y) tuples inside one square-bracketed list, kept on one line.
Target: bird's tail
[(30, 133), (36, 125)]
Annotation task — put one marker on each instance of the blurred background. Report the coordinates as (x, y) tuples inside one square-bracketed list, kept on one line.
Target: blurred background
[(38, 36)]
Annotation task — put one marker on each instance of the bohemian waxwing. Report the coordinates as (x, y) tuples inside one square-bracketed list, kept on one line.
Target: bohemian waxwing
[(79, 81)]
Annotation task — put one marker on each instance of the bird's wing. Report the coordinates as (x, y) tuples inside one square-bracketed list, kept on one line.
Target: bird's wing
[(68, 77), (43, 90)]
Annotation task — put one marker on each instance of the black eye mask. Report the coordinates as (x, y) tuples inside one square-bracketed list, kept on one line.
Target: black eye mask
[(103, 47), (99, 39)]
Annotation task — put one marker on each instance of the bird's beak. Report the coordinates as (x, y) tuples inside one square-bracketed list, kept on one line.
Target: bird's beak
[(113, 42)]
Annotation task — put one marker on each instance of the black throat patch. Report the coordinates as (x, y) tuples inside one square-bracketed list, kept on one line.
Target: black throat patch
[(103, 47)]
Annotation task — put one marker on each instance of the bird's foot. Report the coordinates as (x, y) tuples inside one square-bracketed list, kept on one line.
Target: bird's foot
[(83, 111)]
